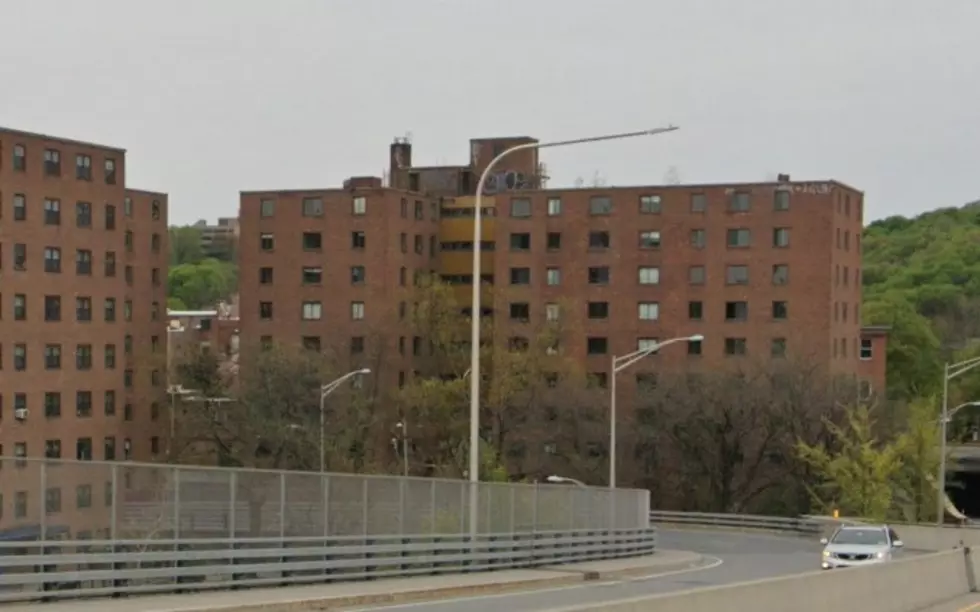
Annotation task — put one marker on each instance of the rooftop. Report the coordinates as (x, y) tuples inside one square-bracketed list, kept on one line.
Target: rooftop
[(5, 130)]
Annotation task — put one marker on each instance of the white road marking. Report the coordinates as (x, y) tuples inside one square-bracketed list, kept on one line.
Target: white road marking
[(714, 562)]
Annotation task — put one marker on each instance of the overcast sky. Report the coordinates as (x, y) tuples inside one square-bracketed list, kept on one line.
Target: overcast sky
[(211, 97)]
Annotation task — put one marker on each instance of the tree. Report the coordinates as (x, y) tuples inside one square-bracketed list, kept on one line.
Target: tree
[(913, 354), (185, 245), (858, 474), (203, 284), (918, 449)]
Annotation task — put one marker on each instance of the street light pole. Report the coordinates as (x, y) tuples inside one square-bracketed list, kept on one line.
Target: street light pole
[(474, 450), (619, 364), (403, 425), (326, 390), (950, 371)]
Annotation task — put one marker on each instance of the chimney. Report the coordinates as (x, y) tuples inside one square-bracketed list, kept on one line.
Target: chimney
[(782, 178)]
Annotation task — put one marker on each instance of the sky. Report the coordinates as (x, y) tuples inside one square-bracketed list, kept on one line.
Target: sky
[(211, 97)]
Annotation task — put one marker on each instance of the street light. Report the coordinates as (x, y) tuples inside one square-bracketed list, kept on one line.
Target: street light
[(403, 425), (474, 458), (950, 371), (563, 480), (619, 364), (325, 390)]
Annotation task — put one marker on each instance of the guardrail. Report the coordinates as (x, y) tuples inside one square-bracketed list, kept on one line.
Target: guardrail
[(43, 571), (739, 521)]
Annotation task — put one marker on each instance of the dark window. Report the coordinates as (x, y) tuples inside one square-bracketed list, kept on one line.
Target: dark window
[(110, 263), (599, 275), (781, 200), (740, 202), (695, 311), (312, 207), (20, 357), (600, 205), (780, 310), (778, 347), (20, 307), (357, 345), (265, 276), (736, 311), (52, 449), (52, 259), (110, 357), (52, 357), (83, 404), (650, 239), (129, 241), (20, 207), (109, 403), (520, 242), (597, 346), (598, 310), (110, 171), (52, 212), (83, 308), (554, 241), (155, 242), (155, 210), (83, 357), (83, 214), (780, 237), (20, 158), (155, 277), (520, 276), (83, 449), (52, 162), (780, 274), (599, 240), (311, 275), (357, 275), (110, 217), (52, 308), (83, 262), (694, 347), (265, 311), (358, 240), (83, 167), (735, 346), (520, 311), (267, 242)]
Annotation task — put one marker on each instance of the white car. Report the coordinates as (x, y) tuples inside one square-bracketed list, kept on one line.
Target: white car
[(855, 545)]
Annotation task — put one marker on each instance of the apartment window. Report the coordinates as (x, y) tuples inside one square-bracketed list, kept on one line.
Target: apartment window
[(52, 449), (736, 311), (695, 347), (599, 240), (739, 237), (650, 204), (128, 310), (520, 276), (311, 275), (83, 404), (20, 357), (128, 378), (597, 310), (110, 357), (52, 357), (52, 162), (52, 405), (266, 275), (359, 205), (598, 275), (358, 240), (598, 379), (780, 311), (312, 207), (83, 449), (699, 202), (357, 311), (128, 274), (155, 210), (649, 275), (696, 275), (83, 167), (553, 276), (110, 217), (265, 311), (402, 276), (648, 311), (52, 308), (129, 241), (109, 448), (267, 208), (650, 240), (83, 214), (357, 275), (154, 311), (20, 504), (520, 207), (648, 344), (155, 277), (597, 346), (780, 200), (83, 357), (780, 274), (312, 311), (737, 275), (20, 207), (698, 239), (128, 344), (520, 311), (155, 242), (20, 158), (695, 310), (128, 207), (83, 262), (20, 307), (109, 172), (110, 264), (554, 241), (83, 496), (780, 237), (740, 202), (356, 345), (777, 347), (552, 312), (867, 350), (419, 210), (109, 310), (520, 242), (20, 256), (735, 346), (554, 207), (52, 212), (600, 205), (52, 259), (52, 500), (267, 241)]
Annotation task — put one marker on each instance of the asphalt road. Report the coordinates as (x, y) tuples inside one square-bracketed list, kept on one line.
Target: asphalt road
[(742, 557)]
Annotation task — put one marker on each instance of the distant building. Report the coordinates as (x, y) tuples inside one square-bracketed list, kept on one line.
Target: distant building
[(214, 331), (219, 241), (872, 367)]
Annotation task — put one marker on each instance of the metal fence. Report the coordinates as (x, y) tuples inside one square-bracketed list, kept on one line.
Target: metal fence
[(49, 499), (739, 521)]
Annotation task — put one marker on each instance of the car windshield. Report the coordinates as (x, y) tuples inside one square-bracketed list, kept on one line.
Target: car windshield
[(867, 537)]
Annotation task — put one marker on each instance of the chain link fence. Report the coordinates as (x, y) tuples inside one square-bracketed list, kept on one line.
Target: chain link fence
[(43, 499)]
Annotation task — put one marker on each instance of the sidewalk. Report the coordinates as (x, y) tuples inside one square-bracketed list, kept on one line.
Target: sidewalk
[(379, 592), (967, 603)]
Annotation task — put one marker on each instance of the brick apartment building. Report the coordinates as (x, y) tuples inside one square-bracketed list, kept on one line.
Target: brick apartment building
[(762, 270), (83, 262)]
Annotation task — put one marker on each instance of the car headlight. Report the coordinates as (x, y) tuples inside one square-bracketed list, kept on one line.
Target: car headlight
[(826, 553), (881, 555)]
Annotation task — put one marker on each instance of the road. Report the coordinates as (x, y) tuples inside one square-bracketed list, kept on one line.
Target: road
[(730, 557)]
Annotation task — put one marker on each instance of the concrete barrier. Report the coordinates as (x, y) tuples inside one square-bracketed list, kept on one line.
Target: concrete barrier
[(905, 585)]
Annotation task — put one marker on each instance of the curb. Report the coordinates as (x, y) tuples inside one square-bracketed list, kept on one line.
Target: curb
[(571, 577)]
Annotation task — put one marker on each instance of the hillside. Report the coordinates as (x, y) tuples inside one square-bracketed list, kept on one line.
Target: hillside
[(922, 277)]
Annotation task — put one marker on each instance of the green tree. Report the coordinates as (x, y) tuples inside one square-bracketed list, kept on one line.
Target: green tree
[(913, 355), (202, 285), (185, 245), (918, 451), (857, 470)]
